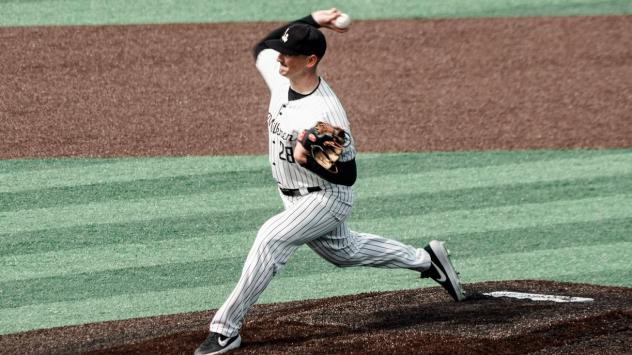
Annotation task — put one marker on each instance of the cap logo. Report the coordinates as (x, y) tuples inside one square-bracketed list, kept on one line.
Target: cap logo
[(285, 35)]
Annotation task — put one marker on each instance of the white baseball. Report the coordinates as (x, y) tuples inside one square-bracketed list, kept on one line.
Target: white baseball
[(342, 21)]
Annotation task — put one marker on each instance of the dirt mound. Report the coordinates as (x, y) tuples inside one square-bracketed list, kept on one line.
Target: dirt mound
[(412, 321)]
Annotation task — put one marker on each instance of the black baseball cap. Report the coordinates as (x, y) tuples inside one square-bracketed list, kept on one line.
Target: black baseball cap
[(300, 39)]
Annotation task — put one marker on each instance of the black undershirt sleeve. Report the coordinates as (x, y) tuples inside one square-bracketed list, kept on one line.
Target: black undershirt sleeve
[(347, 172), (276, 34)]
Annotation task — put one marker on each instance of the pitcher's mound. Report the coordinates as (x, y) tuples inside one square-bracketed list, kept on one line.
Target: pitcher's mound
[(555, 318)]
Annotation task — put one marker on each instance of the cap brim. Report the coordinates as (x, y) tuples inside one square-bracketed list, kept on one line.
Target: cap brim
[(280, 47)]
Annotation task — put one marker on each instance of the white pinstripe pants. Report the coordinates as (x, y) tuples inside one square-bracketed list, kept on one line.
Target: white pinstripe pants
[(316, 219)]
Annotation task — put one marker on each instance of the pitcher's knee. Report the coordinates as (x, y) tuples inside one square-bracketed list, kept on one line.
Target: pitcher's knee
[(270, 239), (267, 251), (336, 259), (274, 246)]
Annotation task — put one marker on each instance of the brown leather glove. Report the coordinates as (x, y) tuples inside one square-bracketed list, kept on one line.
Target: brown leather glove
[(325, 143)]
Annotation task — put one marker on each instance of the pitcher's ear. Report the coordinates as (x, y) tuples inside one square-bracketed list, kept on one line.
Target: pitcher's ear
[(312, 60)]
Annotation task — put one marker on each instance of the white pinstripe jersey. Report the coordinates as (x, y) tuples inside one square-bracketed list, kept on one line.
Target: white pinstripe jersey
[(287, 118)]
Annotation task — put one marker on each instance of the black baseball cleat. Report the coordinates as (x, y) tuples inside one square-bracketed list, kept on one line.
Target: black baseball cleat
[(217, 344), (442, 271)]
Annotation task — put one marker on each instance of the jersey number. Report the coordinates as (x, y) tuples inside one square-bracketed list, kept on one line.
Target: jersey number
[(286, 153)]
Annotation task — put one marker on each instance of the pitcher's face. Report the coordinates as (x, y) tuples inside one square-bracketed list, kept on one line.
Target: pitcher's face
[(294, 65)]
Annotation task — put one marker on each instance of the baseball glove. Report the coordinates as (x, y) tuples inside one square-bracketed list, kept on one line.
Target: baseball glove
[(325, 143)]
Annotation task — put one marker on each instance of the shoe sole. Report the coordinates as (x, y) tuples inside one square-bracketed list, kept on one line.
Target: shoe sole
[(442, 255)]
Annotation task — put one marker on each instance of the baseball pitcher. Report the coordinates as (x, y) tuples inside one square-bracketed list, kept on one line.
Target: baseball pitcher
[(312, 157)]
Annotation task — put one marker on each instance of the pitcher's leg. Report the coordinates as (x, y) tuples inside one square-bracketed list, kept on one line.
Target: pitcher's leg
[(344, 247), (260, 266), (347, 248), (276, 241)]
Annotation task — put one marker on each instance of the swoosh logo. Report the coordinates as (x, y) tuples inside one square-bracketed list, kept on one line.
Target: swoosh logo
[(442, 277), (221, 342)]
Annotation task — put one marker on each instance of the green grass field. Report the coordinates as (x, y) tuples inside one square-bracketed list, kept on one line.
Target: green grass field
[(92, 12), (86, 240)]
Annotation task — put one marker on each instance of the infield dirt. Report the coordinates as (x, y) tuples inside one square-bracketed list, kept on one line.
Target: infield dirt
[(407, 85)]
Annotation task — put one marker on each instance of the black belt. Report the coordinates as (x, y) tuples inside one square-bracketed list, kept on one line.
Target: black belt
[(300, 192)]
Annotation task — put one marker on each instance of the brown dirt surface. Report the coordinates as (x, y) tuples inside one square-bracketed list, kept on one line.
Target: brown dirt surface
[(414, 85), (400, 322)]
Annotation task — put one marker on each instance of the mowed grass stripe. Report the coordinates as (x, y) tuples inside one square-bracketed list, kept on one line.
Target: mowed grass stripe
[(520, 173), (20, 267), (249, 219), (125, 169), (544, 264), (601, 278), (408, 204), (553, 236), (132, 280), (44, 174), (493, 170), (122, 256), (443, 180), (137, 210), (507, 217), (552, 264), (78, 12), (140, 188), (147, 232), (12, 166), (36, 174), (226, 270)]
